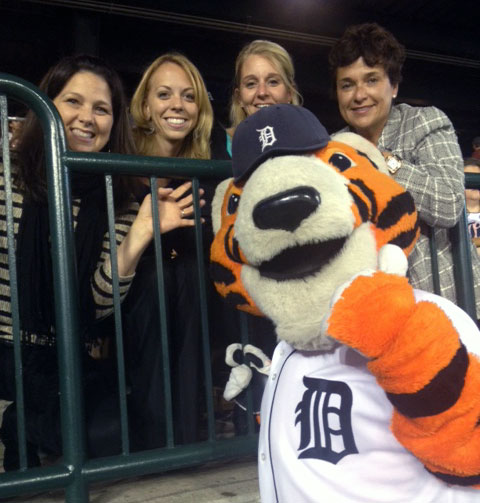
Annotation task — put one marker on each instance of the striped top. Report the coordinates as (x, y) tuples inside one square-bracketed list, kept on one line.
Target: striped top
[(102, 284)]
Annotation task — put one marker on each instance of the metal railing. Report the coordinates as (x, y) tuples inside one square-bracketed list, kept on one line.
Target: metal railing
[(74, 472), (462, 264)]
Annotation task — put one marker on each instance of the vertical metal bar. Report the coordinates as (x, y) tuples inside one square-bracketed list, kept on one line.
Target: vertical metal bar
[(118, 317), (249, 411), (12, 263), (434, 260), (162, 306), (462, 270), (202, 278), (69, 337)]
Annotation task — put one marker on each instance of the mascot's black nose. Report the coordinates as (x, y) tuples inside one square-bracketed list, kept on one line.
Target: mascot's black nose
[(286, 210)]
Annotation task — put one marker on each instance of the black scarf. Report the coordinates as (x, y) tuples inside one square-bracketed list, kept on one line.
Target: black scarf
[(34, 264)]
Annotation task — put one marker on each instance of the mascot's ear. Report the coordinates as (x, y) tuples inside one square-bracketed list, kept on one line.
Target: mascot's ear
[(226, 257), (366, 147), (217, 203)]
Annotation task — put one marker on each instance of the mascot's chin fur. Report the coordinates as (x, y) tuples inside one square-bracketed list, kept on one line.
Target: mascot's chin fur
[(373, 392)]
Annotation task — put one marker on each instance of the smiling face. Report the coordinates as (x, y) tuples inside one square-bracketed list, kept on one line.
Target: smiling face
[(261, 84), (303, 225), (171, 106), (365, 96), (85, 106)]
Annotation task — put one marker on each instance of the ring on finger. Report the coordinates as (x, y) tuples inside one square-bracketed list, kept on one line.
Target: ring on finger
[(182, 214)]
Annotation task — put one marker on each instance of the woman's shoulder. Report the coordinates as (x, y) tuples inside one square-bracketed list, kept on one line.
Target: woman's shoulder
[(17, 195), (410, 125), (429, 117), (2, 174)]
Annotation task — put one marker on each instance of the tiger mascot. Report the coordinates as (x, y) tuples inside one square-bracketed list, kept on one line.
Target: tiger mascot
[(373, 393)]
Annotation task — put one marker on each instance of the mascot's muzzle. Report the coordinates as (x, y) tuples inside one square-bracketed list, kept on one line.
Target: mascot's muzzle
[(286, 210)]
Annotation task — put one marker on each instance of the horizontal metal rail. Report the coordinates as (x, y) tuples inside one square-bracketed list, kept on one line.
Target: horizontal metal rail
[(75, 472)]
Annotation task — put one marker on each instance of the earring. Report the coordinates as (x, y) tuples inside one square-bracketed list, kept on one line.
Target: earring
[(151, 129)]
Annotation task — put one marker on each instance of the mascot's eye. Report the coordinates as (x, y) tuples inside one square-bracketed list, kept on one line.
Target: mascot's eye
[(340, 161), (233, 204)]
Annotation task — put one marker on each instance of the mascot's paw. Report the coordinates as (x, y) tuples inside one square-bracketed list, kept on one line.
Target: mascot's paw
[(239, 379), (246, 362), (368, 312), (391, 260)]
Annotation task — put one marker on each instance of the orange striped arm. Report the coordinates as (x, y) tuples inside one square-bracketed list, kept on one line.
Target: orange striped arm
[(427, 373)]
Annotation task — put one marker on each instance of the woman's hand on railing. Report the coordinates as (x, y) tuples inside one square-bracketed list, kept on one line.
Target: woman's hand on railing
[(175, 209)]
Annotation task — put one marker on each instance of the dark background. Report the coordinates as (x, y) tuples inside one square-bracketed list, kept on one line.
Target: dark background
[(441, 37)]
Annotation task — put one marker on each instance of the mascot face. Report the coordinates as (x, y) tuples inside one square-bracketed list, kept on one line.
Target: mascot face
[(300, 226)]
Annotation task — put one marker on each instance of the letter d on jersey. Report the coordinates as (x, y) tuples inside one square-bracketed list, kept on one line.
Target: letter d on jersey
[(325, 418)]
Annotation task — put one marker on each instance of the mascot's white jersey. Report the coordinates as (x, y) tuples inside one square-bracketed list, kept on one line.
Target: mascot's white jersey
[(325, 435)]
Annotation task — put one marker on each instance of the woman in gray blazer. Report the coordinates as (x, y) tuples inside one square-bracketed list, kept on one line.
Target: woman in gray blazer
[(418, 143)]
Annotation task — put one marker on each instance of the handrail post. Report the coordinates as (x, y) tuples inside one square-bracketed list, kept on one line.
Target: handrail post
[(462, 270)]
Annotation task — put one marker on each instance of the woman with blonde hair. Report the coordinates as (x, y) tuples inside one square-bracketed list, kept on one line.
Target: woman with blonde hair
[(172, 118), (264, 76), (172, 88), (88, 95)]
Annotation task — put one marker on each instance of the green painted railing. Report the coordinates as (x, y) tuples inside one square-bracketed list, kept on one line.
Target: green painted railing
[(75, 472), (462, 258)]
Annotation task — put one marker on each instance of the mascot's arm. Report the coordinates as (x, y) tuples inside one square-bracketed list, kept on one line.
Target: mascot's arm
[(418, 359)]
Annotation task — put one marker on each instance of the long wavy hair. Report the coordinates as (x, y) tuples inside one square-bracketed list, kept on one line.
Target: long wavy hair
[(279, 58), (29, 153), (196, 145)]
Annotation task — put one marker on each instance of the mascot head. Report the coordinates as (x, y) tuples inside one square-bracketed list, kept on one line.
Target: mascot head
[(303, 214)]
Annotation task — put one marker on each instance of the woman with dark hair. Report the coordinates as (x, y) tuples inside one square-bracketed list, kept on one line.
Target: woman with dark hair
[(29, 151), (89, 97), (418, 143)]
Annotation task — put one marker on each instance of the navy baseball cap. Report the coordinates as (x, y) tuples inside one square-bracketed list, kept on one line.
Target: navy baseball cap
[(273, 131)]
